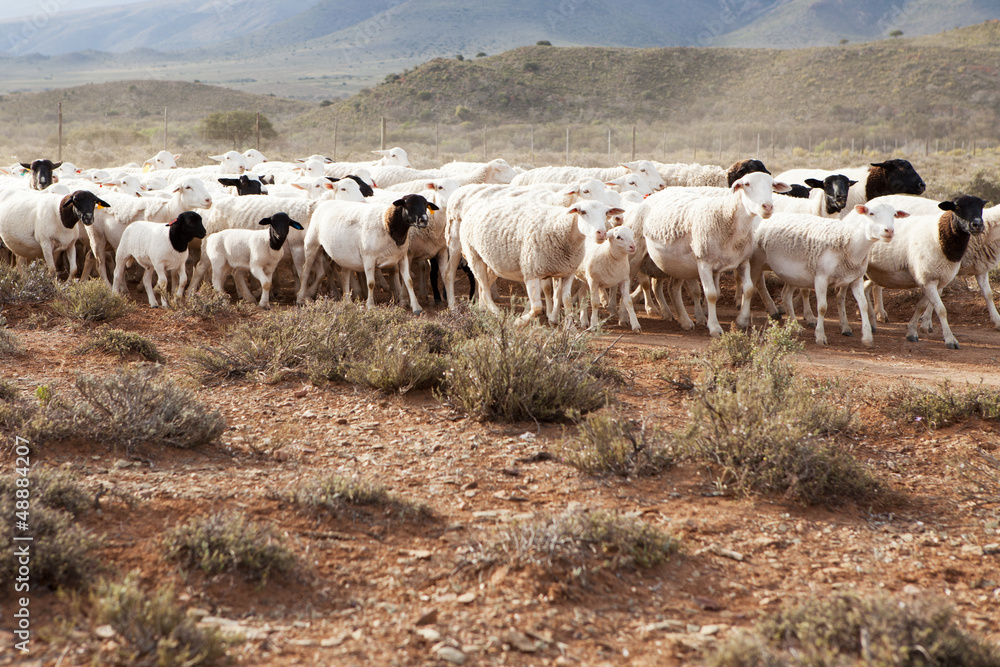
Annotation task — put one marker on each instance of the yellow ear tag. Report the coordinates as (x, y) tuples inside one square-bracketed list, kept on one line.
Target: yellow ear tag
[(99, 207), (146, 167)]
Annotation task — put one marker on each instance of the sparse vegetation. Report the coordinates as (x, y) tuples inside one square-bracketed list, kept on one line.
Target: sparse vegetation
[(62, 551), (337, 495), (205, 304), (154, 628), (90, 301), (35, 285), (123, 344), (237, 127), (944, 405), (610, 442), (769, 431), (227, 542), (570, 544), (849, 628), (9, 344)]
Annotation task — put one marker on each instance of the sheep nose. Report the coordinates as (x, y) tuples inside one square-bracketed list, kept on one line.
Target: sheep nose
[(766, 210), (600, 236), (976, 226)]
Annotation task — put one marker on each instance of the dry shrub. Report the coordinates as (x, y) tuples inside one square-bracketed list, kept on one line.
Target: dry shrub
[(575, 542), (155, 630), (62, 552), (850, 629), (943, 405), (610, 442), (34, 285), (205, 304), (228, 542), (514, 372), (336, 494), (90, 301), (770, 431), (123, 344)]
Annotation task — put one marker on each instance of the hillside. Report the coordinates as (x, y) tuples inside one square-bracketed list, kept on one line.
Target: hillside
[(900, 83), (128, 101)]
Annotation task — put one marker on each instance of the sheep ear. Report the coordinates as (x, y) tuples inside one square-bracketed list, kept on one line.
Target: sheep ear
[(850, 183), (947, 206), (814, 183), (296, 185), (217, 158), (177, 156), (332, 179), (780, 187), (57, 165), (615, 211), (265, 221), (295, 225), (573, 209), (26, 165), (229, 181), (861, 209), (328, 186), (738, 185), (902, 214), (881, 165), (399, 202), (103, 204), (432, 206), (380, 152), (431, 186)]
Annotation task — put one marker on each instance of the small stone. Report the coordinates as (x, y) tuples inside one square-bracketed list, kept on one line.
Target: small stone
[(910, 589), (451, 654), (104, 631), (428, 617), (708, 630), (520, 641), (693, 629), (301, 393), (972, 550), (340, 420), (308, 414), (430, 635), (302, 642), (333, 642), (708, 604), (466, 598), (991, 549), (421, 554)]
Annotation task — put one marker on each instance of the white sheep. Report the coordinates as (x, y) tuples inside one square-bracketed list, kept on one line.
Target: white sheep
[(161, 161), (39, 224), (693, 234), (253, 158), (926, 253), (644, 168), (605, 266), (392, 156), (630, 183), (239, 251), (231, 162), (494, 171), (365, 237), (158, 247), (520, 238), (691, 175), (807, 251)]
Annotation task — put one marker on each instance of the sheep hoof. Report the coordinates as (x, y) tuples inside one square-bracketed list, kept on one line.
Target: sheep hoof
[(847, 332), (868, 342), (912, 337), (952, 345), (776, 316), (811, 325)]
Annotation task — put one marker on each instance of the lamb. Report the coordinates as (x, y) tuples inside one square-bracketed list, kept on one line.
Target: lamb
[(630, 183), (41, 173), (605, 266), (38, 224), (161, 161), (365, 237), (804, 251), (253, 158), (244, 185), (109, 226), (157, 247), (520, 238), (494, 171), (693, 234), (644, 168), (927, 253), (243, 250), (231, 162), (392, 156), (827, 198)]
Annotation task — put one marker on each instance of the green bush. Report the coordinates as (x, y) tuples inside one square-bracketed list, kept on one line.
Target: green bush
[(228, 542), (770, 431), (514, 373), (155, 629), (944, 405), (90, 301), (845, 628), (123, 344), (572, 543), (612, 443)]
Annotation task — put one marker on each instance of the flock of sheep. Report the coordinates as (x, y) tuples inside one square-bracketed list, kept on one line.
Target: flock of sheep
[(564, 232)]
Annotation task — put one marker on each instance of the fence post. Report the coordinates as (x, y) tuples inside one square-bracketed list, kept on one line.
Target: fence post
[(257, 128), (633, 143), (336, 127), (758, 146), (531, 132), (437, 141), (567, 146), (59, 155), (164, 128), (382, 133)]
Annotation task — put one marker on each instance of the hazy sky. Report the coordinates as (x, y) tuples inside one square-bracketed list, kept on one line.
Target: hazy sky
[(35, 9)]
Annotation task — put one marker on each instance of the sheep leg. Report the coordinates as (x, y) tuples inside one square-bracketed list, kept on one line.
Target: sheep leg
[(643, 286), (49, 254), (563, 287), (595, 304), (695, 290), (346, 283), (807, 312), (857, 288), (451, 268), (162, 282), (370, 271), (983, 279), (265, 285), (787, 299), (711, 297), (743, 319), (627, 302), (181, 281), (932, 295), (681, 312), (845, 326), (312, 248), (436, 267), (926, 320), (661, 300), (536, 307), (549, 299), (879, 306), (219, 275), (404, 269), (199, 273), (757, 274), (240, 278), (821, 286), (482, 275)]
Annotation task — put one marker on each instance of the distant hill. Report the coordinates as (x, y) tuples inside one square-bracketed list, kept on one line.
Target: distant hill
[(326, 49), (927, 87)]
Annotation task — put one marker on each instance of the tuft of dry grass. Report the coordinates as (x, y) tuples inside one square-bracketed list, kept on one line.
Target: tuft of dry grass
[(335, 494), (123, 344), (90, 301), (944, 405), (612, 443)]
